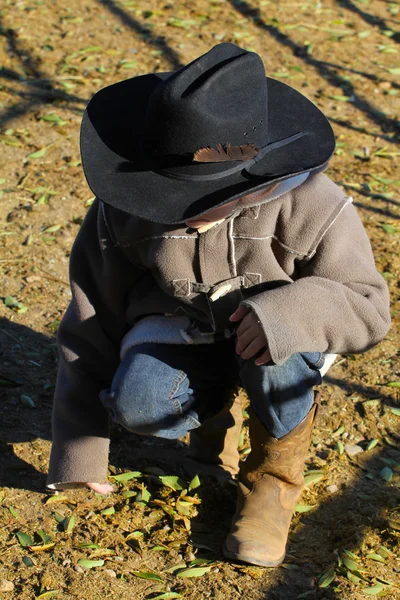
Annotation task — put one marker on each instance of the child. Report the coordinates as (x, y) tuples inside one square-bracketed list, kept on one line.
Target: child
[(216, 252)]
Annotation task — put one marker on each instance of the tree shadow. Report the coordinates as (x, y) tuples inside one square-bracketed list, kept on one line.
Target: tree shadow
[(40, 89), (28, 364), (362, 130), (364, 106), (368, 18), (144, 32)]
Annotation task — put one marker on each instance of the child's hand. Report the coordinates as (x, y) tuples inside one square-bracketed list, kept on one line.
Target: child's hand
[(100, 488), (250, 335)]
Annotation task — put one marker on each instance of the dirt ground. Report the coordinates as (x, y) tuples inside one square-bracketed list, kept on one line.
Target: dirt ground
[(344, 538)]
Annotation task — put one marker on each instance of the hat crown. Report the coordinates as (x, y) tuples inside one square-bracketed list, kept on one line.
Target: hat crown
[(219, 98)]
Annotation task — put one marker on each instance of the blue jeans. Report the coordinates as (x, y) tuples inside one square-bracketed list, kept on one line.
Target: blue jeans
[(167, 390)]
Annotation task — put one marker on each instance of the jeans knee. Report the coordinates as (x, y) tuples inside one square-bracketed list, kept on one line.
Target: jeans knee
[(131, 409)]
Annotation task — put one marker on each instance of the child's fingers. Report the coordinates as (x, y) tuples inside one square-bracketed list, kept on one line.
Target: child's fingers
[(100, 488), (245, 338), (263, 359), (255, 346), (239, 314)]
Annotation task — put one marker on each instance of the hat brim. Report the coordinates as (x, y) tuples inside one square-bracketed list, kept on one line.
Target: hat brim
[(120, 174)]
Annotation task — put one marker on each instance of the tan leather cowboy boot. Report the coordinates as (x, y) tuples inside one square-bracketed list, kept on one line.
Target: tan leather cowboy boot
[(270, 483), (213, 446)]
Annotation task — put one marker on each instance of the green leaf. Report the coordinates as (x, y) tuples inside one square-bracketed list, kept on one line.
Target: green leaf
[(339, 446), (38, 153), (372, 444), (353, 578), (51, 118), (386, 474), (126, 476), (43, 536), (14, 513), (95, 546), (52, 229), (108, 511), (395, 411), (24, 539), (303, 508), (342, 98), (395, 71), (351, 555), (167, 596), (146, 575), (129, 65), (48, 594), (144, 495), (10, 301), (28, 562), (90, 49), (195, 483), (90, 564), (194, 572), (200, 561), (326, 578), (58, 498), (376, 557), (349, 564), (69, 524), (338, 431), (27, 401), (374, 590), (395, 384), (173, 482), (389, 229), (312, 478), (128, 493)]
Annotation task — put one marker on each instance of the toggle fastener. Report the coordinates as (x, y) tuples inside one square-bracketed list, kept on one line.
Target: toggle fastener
[(224, 289)]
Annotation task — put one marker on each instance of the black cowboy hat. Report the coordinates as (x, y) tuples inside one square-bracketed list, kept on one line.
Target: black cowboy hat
[(167, 147)]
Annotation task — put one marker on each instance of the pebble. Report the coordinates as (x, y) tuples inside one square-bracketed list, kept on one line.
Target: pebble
[(332, 489), (78, 569), (189, 556), (6, 586), (353, 450), (110, 572)]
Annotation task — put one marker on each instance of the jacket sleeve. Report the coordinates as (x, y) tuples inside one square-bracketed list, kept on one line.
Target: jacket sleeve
[(88, 341), (338, 303)]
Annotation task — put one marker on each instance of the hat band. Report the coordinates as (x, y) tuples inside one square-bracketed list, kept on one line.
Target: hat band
[(242, 166)]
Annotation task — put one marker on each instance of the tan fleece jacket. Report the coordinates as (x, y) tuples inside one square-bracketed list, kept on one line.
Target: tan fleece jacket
[(302, 262)]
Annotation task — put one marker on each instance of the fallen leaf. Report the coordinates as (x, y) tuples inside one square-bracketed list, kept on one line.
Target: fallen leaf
[(193, 572), (374, 590), (24, 539), (126, 476), (90, 564), (302, 508), (146, 575), (326, 578), (172, 481), (48, 594)]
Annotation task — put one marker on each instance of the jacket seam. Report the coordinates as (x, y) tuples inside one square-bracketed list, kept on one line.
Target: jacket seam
[(156, 237), (107, 224), (232, 254), (269, 237), (347, 201)]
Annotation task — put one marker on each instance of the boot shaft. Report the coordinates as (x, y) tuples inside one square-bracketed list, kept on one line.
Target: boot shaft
[(282, 458)]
